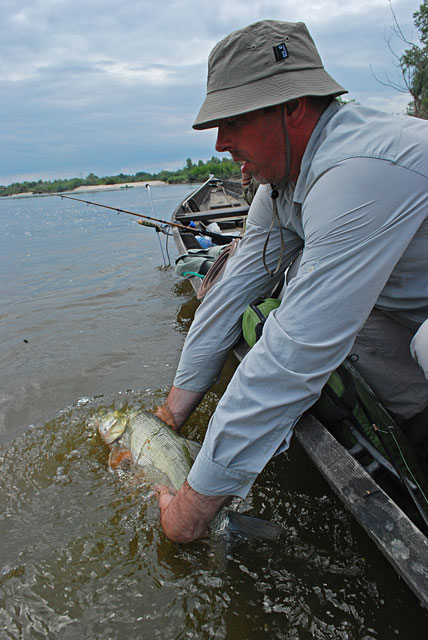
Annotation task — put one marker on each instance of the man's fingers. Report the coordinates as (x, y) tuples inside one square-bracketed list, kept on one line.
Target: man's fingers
[(161, 489), (165, 495), (165, 414)]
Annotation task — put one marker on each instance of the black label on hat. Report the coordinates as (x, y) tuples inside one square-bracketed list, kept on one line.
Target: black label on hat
[(280, 52)]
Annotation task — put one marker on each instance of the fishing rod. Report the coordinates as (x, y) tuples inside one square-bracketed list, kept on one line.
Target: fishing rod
[(158, 229), (394, 466), (217, 238), (402, 477), (392, 458), (131, 213)]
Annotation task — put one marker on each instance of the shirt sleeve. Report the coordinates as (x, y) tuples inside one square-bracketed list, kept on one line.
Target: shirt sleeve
[(217, 323), (358, 218)]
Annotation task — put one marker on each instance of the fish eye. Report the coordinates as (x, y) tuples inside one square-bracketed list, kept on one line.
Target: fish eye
[(108, 421)]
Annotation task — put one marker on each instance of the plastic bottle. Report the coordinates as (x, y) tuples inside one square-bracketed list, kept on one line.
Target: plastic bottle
[(204, 241)]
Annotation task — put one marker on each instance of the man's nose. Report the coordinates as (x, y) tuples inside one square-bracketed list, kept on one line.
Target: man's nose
[(224, 138)]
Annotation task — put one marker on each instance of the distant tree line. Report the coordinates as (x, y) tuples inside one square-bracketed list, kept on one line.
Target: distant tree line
[(198, 172)]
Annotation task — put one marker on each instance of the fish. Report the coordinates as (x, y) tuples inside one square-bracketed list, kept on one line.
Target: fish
[(141, 438)]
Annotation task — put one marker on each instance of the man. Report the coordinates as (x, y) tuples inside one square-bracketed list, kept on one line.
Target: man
[(349, 186)]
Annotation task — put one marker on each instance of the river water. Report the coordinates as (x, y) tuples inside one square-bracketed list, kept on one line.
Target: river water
[(90, 318)]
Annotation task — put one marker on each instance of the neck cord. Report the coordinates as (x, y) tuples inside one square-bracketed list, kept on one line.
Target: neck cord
[(274, 195)]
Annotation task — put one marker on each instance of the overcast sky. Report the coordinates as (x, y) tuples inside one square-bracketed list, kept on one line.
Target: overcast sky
[(110, 87)]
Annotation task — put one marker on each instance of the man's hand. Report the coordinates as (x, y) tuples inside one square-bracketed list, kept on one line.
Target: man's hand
[(186, 515), (178, 406)]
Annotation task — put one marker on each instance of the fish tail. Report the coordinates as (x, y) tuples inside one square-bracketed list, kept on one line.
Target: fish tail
[(251, 527)]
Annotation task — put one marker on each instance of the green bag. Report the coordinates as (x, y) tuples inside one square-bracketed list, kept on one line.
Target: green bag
[(254, 318), (196, 262)]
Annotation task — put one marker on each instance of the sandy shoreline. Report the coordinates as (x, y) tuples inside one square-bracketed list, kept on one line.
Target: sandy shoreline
[(122, 185), (97, 187)]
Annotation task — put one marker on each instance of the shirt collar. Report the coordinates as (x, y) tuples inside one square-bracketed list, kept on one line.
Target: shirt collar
[(312, 147)]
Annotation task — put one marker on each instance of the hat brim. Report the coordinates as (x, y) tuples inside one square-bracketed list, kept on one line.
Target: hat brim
[(267, 92)]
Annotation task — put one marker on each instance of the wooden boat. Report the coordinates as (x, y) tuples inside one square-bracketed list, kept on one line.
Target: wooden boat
[(402, 542)]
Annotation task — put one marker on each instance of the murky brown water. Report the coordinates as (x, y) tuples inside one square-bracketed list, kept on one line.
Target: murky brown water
[(82, 555)]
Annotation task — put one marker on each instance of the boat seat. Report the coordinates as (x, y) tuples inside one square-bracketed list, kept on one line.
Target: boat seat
[(225, 205), (212, 214)]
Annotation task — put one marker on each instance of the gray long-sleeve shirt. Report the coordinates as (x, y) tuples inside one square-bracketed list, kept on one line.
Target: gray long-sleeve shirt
[(360, 212)]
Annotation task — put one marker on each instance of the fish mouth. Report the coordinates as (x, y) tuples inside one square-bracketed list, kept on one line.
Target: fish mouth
[(111, 425)]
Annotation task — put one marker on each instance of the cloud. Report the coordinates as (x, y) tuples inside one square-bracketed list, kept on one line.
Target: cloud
[(93, 85)]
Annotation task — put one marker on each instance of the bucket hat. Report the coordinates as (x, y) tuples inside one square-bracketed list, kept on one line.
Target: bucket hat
[(264, 64)]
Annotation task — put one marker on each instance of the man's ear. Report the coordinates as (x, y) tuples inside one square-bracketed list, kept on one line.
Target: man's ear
[(296, 110), (291, 106)]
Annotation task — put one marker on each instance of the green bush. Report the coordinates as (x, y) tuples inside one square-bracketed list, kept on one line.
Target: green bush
[(191, 172)]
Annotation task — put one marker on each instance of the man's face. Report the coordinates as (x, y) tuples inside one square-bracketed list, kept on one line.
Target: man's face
[(257, 141)]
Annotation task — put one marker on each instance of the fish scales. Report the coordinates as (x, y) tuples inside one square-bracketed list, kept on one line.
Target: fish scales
[(155, 444)]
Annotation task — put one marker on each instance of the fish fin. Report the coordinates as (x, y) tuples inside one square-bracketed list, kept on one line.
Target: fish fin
[(193, 447), (253, 527), (119, 457)]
